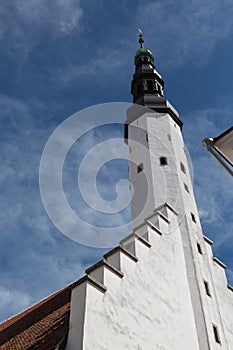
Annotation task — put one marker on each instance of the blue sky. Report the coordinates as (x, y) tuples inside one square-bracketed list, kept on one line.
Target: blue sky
[(62, 56)]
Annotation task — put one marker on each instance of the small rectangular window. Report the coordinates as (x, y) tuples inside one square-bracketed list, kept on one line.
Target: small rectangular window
[(140, 168), (199, 248), (216, 334), (146, 137), (207, 288), (193, 217), (163, 161)]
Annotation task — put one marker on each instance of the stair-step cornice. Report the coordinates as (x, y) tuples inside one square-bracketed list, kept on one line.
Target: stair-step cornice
[(105, 264), (88, 279), (137, 236), (123, 250), (154, 228)]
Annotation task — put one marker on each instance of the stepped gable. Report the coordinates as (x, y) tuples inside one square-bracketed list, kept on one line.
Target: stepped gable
[(45, 325), (41, 326)]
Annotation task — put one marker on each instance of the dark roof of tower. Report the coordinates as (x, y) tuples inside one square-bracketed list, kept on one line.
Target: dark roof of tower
[(41, 326), (147, 88), (143, 52)]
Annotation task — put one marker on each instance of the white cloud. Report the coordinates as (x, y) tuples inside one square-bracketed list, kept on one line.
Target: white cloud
[(24, 23), (12, 301), (185, 30), (58, 16), (55, 273), (93, 66)]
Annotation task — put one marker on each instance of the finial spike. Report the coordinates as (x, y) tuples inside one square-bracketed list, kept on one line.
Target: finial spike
[(141, 39)]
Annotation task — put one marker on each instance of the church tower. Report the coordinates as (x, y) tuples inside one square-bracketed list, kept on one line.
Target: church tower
[(161, 287), (161, 183)]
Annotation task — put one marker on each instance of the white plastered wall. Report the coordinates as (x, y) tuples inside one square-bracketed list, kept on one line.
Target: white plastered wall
[(170, 184), (161, 301), (150, 307)]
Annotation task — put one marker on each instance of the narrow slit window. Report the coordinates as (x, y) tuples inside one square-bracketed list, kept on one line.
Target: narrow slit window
[(150, 85), (139, 88), (207, 288), (199, 248), (140, 168), (146, 137), (182, 167), (216, 334), (193, 217), (186, 187), (163, 161)]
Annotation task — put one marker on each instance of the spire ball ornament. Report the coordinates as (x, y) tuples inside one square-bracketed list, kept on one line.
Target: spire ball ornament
[(141, 39)]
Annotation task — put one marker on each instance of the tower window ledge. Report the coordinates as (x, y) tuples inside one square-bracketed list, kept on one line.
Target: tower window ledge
[(219, 262)]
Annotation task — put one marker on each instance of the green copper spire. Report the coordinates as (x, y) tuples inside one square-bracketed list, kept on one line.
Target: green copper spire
[(147, 85), (143, 55)]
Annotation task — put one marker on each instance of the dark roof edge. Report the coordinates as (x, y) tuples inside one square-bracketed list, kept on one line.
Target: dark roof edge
[(223, 134)]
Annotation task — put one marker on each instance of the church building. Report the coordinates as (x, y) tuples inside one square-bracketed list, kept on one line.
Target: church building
[(161, 287)]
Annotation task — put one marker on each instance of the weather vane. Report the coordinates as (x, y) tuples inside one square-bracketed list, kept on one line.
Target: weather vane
[(141, 39)]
